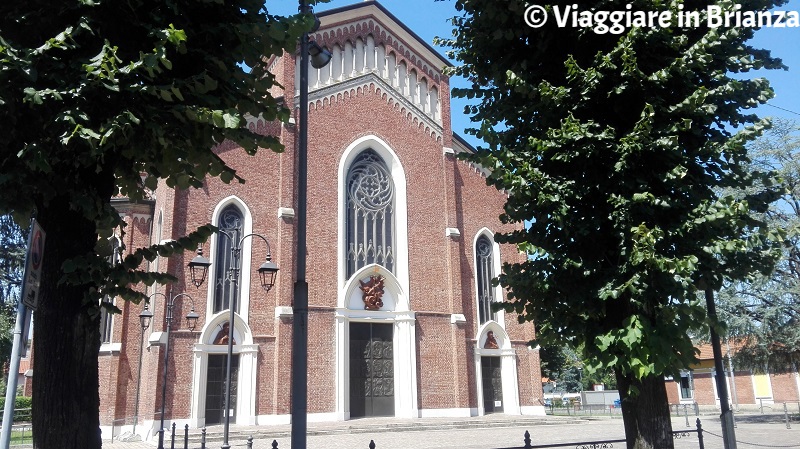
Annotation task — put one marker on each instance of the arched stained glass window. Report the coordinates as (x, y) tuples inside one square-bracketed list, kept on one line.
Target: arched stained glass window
[(484, 273), (370, 213), (231, 221)]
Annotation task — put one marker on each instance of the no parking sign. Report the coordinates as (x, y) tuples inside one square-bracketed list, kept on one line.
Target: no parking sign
[(33, 270)]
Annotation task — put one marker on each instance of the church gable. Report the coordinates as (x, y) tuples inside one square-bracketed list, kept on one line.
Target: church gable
[(372, 51)]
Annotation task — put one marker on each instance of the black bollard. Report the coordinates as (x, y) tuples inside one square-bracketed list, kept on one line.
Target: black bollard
[(700, 434)]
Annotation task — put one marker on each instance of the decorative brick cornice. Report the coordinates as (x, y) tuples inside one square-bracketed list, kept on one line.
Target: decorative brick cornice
[(370, 82), (340, 34)]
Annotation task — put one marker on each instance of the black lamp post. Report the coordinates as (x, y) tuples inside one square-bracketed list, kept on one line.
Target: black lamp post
[(319, 58), (267, 273), (145, 318), (191, 322)]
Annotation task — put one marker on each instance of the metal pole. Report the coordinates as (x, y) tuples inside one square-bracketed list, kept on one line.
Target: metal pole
[(726, 416), (170, 304), (16, 350), (733, 378), (138, 383), (300, 306), (13, 370), (233, 273)]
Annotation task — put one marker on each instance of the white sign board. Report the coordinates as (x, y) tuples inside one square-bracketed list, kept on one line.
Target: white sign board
[(33, 268)]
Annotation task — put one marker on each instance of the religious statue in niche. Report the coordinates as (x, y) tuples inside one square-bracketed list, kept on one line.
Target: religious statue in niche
[(491, 342), (222, 335), (373, 292)]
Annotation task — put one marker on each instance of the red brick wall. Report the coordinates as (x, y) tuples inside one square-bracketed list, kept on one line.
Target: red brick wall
[(745, 394), (435, 372), (784, 387)]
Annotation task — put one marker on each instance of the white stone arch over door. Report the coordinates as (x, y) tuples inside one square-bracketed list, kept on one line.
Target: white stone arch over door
[(508, 367), (246, 381), (396, 311)]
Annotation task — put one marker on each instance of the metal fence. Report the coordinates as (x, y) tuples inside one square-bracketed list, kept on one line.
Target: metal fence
[(578, 409), (21, 429), (598, 444)]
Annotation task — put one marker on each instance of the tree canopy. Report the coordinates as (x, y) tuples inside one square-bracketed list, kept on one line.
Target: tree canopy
[(613, 149), (763, 313), (106, 98)]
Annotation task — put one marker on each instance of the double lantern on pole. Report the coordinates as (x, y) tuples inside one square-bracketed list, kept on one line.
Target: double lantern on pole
[(267, 273), (191, 322), (198, 269)]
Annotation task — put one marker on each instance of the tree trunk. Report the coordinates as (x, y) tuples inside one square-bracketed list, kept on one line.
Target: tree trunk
[(646, 414), (66, 401)]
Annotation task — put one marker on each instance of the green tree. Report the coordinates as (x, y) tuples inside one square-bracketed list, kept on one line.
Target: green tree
[(106, 98), (763, 313), (566, 367), (613, 147), (13, 244)]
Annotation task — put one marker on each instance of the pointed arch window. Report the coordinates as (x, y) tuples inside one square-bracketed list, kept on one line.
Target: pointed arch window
[(231, 220), (106, 318), (484, 266), (370, 213)]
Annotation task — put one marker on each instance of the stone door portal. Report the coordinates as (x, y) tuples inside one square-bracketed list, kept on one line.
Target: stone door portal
[(371, 370)]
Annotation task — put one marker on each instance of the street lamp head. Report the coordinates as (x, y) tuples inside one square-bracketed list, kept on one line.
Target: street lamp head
[(198, 267), (268, 271), (319, 56), (191, 319), (146, 317)]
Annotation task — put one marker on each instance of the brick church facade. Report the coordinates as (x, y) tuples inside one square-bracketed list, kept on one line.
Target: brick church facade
[(387, 200)]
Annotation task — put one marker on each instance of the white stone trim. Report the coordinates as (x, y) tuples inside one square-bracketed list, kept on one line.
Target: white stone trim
[(452, 233), (532, 410), (110, 348), (247, 376), (278, 420), (508, 367), (284, 312), (457, 318), (448, 150), (273, 420), (157, 338), (245, 257), (285, 212), (797, 379), (446, 412)]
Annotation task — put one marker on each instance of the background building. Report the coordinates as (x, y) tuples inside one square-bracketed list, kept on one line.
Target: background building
[(745, 387), (387, 202)]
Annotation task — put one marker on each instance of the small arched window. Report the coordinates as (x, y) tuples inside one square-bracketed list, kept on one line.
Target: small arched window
[(231, 220), (106, 318), (370, 213), (484, 266)]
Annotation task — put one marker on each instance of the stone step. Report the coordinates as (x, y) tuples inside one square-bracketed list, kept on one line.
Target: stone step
[(240, 434)]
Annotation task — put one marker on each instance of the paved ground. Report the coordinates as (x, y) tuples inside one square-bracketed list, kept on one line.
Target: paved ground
[(494, 431)]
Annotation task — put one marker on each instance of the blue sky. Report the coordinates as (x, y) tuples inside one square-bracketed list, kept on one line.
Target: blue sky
[(429, 19)]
